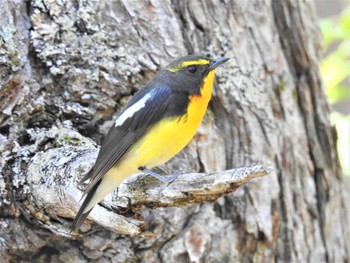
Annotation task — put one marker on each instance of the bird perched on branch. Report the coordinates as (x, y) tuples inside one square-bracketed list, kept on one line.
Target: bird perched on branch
[(156, 124)]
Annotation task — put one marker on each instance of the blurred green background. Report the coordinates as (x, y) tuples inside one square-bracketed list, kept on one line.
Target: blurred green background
[(335, 70)]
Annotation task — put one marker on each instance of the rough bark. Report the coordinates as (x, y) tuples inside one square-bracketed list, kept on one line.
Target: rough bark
[(67, 67)]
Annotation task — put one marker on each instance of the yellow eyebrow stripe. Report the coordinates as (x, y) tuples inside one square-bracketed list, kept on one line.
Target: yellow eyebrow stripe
[(194, 62), (188, 63)]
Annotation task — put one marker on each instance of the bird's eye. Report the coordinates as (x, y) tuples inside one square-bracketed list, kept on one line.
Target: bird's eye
[(192, 69)]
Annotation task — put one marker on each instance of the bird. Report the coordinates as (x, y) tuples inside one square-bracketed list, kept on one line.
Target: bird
[(156, 124)]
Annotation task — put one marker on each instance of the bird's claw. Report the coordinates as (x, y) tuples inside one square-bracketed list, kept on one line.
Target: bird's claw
[(165, 180)]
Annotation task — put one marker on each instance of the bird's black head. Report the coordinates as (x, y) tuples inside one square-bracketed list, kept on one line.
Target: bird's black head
[(188, 73)]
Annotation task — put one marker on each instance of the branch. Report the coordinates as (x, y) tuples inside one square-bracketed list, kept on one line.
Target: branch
[(190, 188), (54, 194)]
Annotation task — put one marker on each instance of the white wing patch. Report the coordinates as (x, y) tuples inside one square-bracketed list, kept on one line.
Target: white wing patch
[(132, 110)]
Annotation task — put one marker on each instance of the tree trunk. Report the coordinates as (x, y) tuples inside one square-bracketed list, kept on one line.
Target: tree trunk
[(67, 68)]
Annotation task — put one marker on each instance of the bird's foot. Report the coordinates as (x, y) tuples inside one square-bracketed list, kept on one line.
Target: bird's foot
[(165, 180)]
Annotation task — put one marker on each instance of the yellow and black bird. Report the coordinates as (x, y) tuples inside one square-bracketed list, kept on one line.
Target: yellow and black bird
[(156, 124)]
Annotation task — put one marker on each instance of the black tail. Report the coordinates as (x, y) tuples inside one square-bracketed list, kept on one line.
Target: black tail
[(80, 217)]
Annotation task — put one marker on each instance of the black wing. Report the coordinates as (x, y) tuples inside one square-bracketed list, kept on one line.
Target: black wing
[(162, 102)]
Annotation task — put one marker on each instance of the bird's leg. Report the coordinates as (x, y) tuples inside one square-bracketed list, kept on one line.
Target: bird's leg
[(158, 176)]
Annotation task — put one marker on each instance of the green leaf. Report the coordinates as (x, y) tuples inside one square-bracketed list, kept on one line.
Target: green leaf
[(338, 93), (345, 22), (334, 30), (335, 68)]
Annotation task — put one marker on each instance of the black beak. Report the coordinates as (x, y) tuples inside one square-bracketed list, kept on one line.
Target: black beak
[(217, 62)]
